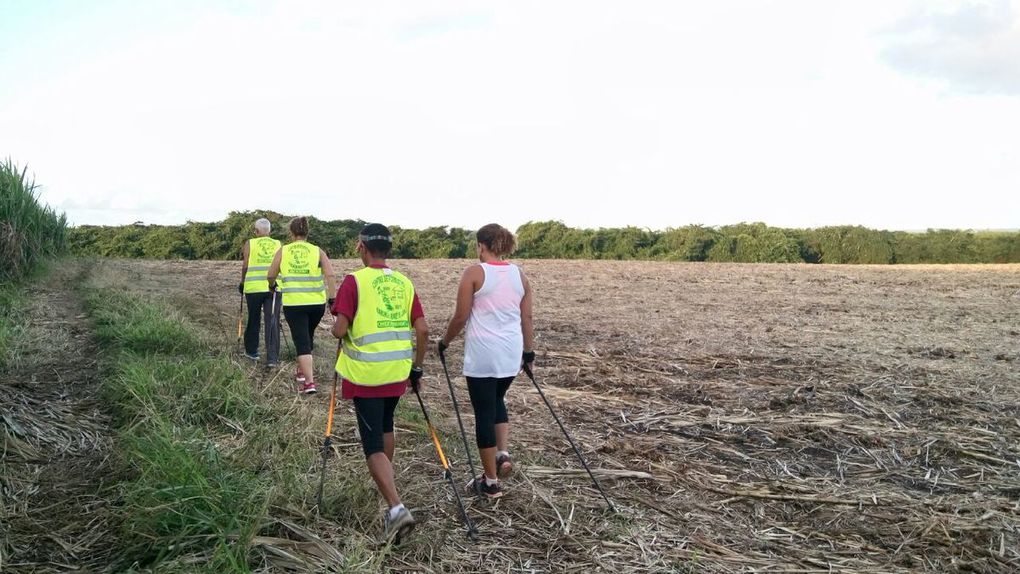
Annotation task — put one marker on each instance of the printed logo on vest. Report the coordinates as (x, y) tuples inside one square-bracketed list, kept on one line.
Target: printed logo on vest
[(266, 249), (391, 308), (300, 260)]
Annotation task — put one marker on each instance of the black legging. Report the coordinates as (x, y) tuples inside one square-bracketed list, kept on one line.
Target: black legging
[(487, 398), (375, 418), (303, 319)]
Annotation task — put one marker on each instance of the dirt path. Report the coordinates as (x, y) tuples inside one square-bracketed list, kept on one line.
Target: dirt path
[(55, 469)]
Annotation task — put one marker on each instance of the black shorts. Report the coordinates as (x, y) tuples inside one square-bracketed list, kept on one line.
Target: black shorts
[(487, 398), (303, 319), (375, 418)]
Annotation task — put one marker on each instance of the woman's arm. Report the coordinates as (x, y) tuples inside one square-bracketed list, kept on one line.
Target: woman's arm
[(327, 271), (274, 268), (527, 327), (470, 282)]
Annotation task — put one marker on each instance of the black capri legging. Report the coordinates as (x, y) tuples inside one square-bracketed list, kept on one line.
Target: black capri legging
[(303, 319), (487, 394), (375, 418)]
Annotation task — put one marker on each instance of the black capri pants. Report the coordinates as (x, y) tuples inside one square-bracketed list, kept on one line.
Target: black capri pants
[(375, 418), (303, 319), (487, 398)]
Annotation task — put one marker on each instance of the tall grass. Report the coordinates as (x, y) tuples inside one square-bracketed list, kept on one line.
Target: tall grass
[(29, 231), (183, 493)]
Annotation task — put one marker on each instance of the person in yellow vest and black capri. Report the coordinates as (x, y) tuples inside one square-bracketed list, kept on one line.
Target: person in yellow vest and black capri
[(302, 272), (382, 324), (256, 257), (494, 304)]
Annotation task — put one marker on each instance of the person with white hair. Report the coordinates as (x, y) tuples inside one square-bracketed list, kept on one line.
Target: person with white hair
[(256, 257)]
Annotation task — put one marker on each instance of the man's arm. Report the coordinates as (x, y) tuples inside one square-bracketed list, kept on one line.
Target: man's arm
[(421, 332), (244, 260), (340, 326)]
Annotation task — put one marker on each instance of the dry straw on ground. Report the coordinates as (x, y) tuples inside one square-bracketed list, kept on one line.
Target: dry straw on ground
[(744, 418)]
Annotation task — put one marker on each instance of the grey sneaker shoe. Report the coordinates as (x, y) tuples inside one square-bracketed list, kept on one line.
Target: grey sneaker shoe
[(254, 357), (398, 527)]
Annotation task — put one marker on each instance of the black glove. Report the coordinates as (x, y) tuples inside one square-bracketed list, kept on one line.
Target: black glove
[(330, 302), (272, 286), (528, 357), (415, 376), (441, 347), (240, 287)]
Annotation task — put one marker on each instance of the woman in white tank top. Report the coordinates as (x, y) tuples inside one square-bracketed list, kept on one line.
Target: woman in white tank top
[(494, 304)]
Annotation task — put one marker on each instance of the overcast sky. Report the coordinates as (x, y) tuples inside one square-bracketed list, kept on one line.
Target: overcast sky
[(893, 114)]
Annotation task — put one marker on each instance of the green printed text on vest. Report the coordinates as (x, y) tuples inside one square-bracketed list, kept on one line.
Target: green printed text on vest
[(378, 348), (300, 279), (261, 251)]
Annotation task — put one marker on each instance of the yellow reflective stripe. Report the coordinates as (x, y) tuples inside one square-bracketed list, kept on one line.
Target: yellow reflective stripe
[(302, 289), (384, 336), (259, 268)]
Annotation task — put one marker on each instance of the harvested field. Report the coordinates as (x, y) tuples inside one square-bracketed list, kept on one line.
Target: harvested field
[(744, 418)]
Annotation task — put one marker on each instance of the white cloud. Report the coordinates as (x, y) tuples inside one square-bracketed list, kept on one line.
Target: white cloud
[(972, 46)]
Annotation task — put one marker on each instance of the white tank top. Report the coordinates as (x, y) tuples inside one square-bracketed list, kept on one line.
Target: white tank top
[(493, 341)]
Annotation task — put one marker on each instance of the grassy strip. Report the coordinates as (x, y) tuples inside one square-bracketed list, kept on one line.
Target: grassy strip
[(176, 408)]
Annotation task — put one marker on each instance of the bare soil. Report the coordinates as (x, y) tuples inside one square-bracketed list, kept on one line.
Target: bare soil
[(743, 418)]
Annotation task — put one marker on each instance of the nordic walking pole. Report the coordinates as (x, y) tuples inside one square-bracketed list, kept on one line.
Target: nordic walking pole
[(328, 442), (463, 435), (527, 369), (471, 532)]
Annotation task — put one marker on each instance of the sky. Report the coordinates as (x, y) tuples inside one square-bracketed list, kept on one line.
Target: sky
[(893, 114)]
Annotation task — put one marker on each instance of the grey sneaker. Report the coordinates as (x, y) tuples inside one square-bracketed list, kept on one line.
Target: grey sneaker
[(504, 466), (254, 357), (398, 527)]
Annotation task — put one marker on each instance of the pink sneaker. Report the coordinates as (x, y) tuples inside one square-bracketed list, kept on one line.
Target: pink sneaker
[(308, 389)]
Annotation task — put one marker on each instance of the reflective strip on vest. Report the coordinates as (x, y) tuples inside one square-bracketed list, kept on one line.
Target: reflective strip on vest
[(378, 348), (380, 356), (261, 251), (301, 281), (384, 336)]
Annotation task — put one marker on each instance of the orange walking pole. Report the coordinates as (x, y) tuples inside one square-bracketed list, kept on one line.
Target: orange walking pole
[(471, 532), (328, 442), (240, 319)]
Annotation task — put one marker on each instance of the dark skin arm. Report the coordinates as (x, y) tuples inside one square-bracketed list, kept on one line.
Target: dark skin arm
[(470, 282), (244, 261)]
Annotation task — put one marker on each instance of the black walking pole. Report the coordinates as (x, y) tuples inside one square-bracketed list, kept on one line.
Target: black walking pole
[(463, 435), (471, 532), (527, 369), (328, 442)]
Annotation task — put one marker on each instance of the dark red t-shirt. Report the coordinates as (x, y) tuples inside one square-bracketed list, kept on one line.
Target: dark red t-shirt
[(346, 304)]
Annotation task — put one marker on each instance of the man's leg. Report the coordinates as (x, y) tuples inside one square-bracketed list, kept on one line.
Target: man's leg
[(389, 444), (271, 316), (370, 414), (251, 331)]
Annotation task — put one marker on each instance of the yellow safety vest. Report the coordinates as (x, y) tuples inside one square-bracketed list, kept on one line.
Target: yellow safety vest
[(300, 279), (261, 251), (378, 347)]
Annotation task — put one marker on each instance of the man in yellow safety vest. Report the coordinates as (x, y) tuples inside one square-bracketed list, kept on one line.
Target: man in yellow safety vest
[(384, 332), (256, 256)]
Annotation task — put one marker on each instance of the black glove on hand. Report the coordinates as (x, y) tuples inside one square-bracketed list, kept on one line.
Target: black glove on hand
[(441, 347), (415, 376), (240, 287), (528, 357), (330, 302)]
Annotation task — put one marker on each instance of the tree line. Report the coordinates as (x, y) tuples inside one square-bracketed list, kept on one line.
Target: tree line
[(743, 242)]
